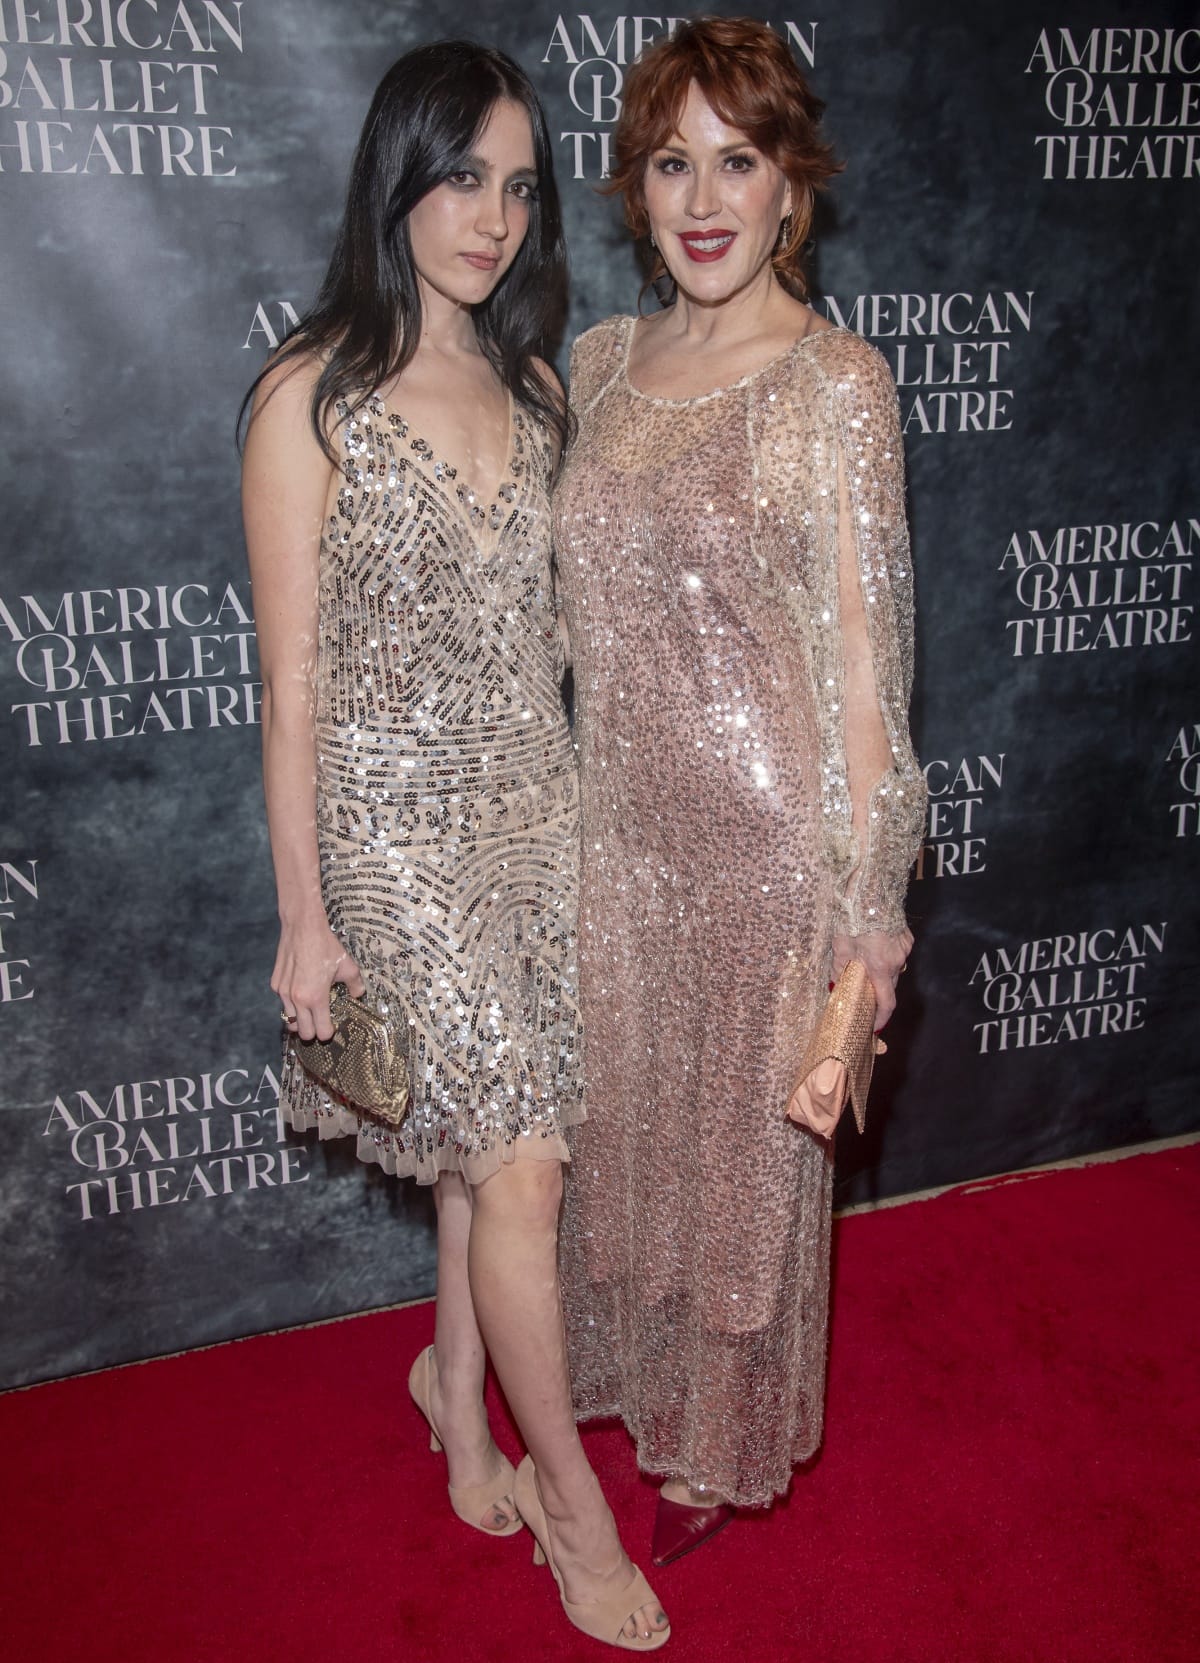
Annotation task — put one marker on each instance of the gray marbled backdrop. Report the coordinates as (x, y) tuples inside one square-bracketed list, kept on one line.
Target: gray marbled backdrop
[(1016, 228)]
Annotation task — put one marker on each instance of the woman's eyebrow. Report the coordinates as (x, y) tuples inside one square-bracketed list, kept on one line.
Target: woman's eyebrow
[(477, 164), (725, 150)]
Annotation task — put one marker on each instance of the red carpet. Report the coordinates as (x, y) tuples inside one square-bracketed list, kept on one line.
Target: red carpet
[(1009, 1474)]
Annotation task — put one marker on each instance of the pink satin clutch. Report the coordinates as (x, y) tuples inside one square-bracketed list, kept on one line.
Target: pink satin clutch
[(846, 1034)]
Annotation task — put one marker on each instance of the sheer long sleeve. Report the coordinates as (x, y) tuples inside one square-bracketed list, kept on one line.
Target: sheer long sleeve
[(832, 475)]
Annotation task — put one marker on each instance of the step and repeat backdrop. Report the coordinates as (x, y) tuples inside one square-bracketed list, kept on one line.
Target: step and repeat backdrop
[(1016, 229)]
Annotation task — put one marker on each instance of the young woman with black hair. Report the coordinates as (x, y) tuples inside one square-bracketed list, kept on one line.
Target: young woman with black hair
[(421, 790)]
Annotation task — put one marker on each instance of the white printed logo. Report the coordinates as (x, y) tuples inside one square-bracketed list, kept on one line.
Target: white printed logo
[(950, 353), (272, 320), (1081, 986), (1184, 757), (100, 88), (1088, 588), (954, 845), (1125, 103), (157, 1143), (595, 65), (18, 893), (119, 663)]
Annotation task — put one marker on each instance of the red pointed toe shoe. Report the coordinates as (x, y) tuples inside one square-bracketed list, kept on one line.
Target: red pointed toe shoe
[(678, 1528)]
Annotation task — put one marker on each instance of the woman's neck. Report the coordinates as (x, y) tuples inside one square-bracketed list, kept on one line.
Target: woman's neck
[(758, 308), (447, 328)]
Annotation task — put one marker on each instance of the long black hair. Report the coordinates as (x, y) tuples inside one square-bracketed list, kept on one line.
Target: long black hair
[(366, 321)]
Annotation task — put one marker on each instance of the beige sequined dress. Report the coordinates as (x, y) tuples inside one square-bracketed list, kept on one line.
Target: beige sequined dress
[(698, 546), (447, 798)]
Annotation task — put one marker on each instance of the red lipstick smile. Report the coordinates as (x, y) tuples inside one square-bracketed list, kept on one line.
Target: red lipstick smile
[(705, 246)]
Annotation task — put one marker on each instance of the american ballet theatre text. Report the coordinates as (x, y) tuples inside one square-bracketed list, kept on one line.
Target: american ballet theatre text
[(1085, 985), (1183, 761), (1094, 588), (18, 896), (122, 663), (1122, 103), (951, 353), (143, 1144), (116, 88), (955, 845)]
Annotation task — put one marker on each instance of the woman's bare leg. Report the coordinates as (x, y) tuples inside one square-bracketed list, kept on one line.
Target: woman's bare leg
[(513, 1263), (456, 1382)]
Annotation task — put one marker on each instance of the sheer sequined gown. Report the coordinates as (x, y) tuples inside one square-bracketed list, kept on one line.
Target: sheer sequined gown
[(447, 799), (698, 546)]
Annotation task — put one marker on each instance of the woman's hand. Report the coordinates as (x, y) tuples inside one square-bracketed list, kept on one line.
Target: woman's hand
[(818, 1100), (885, 958), (309, 960)]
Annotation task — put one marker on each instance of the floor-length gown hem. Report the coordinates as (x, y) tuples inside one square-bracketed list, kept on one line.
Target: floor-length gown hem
[(661, 1464)]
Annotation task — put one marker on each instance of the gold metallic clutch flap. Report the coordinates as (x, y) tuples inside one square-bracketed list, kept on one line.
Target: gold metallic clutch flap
[(365, 1062), (846, 1033)]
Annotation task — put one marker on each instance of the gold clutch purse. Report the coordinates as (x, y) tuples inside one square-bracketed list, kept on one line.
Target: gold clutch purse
[(365, 1062), (846, 1034)]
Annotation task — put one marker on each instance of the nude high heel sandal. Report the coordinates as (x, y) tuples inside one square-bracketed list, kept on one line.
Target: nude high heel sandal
[(469, 1501), (601, 1619)]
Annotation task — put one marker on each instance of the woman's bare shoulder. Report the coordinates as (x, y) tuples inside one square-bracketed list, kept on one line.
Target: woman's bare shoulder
[(283, 397)]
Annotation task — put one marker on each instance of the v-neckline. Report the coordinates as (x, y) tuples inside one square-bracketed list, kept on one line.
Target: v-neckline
[(444, 472)]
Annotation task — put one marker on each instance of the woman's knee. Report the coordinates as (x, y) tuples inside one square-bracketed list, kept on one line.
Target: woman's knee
[(450, 1190), (530, 1191)]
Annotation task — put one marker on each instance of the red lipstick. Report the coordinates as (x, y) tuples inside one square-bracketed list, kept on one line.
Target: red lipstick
[(705, 246)]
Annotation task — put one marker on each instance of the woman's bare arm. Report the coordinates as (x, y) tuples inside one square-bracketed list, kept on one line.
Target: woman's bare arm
[(285, 485)]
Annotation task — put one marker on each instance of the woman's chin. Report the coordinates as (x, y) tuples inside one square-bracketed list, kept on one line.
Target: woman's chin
[(713, 284)]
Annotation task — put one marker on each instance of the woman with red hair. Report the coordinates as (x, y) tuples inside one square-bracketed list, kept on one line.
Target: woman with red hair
[(734, 563)]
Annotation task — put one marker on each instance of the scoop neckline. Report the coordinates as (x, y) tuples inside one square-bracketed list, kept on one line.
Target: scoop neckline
[(631, 324)]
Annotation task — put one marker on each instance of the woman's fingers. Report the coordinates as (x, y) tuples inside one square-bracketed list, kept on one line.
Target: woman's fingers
[(349, 973), (304, 996), (885, 999), (310, 1022), (885, 957), (884, 970)]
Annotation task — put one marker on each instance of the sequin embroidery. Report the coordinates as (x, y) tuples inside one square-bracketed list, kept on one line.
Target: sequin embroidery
[(447, 800), (698, 549)]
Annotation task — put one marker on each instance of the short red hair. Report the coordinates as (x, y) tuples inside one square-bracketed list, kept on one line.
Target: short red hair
[(749, 77)]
